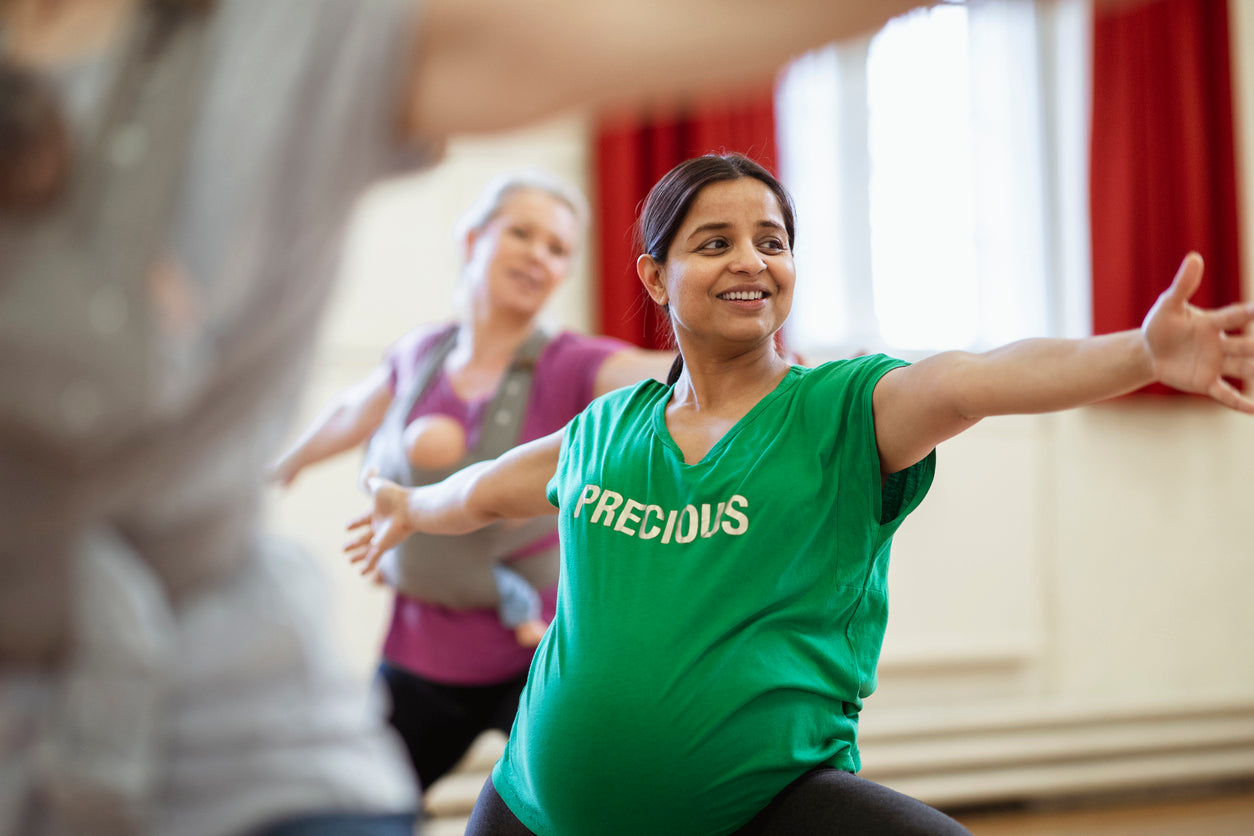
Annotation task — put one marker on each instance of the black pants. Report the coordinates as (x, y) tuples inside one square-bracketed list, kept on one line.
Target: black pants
[(823, 802), (438, 722), (342, 824)]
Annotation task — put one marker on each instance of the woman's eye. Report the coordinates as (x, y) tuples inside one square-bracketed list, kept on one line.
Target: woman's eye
[(773, 245), (714, 244)]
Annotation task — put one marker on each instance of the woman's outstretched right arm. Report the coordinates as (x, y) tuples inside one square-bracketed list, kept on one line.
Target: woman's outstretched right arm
[(346, 422), (512, 486)]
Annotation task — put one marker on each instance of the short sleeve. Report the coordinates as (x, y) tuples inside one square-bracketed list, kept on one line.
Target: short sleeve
[(844, 390), (904, 490), (553, 491)]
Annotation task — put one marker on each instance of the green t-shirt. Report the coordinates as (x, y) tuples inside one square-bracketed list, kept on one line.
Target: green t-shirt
[(718, 624)]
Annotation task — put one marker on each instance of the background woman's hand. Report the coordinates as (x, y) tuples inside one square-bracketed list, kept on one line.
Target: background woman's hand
[(1191, 348), (384, 526)]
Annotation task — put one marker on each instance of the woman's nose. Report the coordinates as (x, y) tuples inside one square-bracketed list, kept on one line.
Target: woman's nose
[(747, 259), (537, 249)]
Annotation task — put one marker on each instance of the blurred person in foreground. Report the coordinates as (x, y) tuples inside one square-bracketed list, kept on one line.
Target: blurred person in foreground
[(174, 180)]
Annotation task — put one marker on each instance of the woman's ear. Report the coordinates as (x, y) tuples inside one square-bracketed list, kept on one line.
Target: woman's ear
[(650, 273)]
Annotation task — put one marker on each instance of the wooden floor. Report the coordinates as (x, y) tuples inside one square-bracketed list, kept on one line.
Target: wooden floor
[(1214, 811)]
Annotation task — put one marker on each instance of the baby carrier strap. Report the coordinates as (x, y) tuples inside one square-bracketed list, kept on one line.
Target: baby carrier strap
[(456, 571)]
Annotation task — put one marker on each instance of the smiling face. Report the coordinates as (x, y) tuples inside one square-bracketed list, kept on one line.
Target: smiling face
[(728, 276), (522, 253)]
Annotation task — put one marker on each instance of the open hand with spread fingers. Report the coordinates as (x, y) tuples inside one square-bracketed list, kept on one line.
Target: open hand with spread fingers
[(385, 525), (1194, 349)]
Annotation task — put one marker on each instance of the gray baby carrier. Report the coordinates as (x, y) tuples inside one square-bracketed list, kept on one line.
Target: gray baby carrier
[(456, 571)]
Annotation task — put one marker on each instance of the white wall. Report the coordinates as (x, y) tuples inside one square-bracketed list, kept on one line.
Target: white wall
[(1069, 605)]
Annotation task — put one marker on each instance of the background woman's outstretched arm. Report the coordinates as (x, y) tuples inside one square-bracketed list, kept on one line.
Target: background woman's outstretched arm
[(343, 424)]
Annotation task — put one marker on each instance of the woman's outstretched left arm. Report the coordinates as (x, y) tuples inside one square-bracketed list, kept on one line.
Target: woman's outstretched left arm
[(1186, 347), (511, 486)]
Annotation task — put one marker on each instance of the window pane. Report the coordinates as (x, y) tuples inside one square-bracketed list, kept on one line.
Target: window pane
[(807, 109), (940, 176), (923, 248)]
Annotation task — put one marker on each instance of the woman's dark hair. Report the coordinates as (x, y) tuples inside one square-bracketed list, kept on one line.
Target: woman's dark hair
[(671, 197)]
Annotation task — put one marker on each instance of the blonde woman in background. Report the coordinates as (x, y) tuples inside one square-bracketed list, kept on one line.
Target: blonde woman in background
[(453, 660)]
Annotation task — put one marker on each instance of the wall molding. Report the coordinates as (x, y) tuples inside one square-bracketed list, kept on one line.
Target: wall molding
[(1014, 754)]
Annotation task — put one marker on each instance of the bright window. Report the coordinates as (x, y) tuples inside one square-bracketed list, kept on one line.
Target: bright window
[(939, 174)]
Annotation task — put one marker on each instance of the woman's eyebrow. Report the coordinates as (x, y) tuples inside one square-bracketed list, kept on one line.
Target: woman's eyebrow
[(719, 226), (712, 226)]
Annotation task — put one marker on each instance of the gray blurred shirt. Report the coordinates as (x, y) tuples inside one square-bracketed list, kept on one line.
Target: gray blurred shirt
[(137, 410)]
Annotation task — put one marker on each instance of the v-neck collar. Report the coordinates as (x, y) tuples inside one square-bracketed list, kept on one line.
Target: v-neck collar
[(664, 433)]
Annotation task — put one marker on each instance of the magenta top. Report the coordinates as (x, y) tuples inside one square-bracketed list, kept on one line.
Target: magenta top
[(471, 647)]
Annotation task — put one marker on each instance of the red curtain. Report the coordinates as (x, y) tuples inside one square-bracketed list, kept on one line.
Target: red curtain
[(1163, 171), (633, 155)]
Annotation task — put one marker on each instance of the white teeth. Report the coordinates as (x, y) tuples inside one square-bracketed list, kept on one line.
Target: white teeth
[(744, 295)]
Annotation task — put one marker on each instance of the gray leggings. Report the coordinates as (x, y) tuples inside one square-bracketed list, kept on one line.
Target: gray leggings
[(822, 802)]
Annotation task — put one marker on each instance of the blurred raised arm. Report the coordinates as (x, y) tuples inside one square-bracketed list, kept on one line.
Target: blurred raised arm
[(487, 65), (484, 65)]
